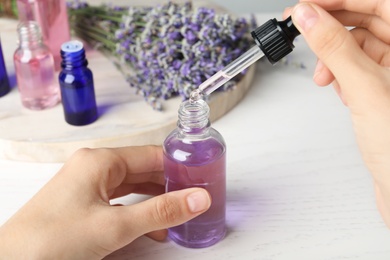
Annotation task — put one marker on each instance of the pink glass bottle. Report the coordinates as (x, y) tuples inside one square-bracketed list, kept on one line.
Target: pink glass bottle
[(34, 68), (195, 156), (52, 18)]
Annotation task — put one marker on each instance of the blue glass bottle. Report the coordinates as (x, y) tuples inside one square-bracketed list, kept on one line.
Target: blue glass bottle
[(76, 83), (4, 82)]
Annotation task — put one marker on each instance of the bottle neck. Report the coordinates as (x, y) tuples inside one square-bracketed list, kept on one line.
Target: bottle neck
[(194, 117), (73, 55), (29, 34)]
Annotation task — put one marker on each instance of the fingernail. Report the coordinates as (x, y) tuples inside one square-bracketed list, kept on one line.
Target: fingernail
[(319, 67), (305, 16), (198, 201)]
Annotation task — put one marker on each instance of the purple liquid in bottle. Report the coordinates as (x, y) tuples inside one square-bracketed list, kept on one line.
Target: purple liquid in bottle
[(198, 159)]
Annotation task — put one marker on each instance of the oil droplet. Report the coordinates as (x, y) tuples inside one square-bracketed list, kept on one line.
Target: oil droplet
[(195, 95)]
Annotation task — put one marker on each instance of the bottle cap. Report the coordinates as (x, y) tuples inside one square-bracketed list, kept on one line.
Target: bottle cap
[(275, 38)]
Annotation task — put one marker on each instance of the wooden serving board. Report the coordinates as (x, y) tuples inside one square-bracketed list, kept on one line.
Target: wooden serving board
[(124, 117)]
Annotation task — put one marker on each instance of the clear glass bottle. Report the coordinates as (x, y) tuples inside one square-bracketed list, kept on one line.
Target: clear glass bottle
[(195, 156), (34, 68), (52, 17), (4, 82), (77, 87)]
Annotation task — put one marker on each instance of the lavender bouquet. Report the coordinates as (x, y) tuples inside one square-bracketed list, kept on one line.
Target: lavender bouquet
[(165, 50)]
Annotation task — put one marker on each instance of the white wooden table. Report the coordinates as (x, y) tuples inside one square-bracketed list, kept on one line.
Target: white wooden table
[(297, 186)]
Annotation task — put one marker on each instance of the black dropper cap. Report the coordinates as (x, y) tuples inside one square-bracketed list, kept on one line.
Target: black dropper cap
[(275, 38)]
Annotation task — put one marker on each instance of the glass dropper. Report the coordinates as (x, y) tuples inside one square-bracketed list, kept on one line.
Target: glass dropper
[(273, 39)]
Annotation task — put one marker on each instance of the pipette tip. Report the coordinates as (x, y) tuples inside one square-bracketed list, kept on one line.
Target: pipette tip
[(195, 95)]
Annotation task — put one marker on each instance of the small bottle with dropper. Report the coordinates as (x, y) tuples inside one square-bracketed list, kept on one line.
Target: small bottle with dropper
[(195, 153), (274, 39), (195, 156)]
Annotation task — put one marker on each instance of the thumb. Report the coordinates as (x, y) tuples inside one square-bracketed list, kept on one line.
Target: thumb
[(336, 47), (164, 211)]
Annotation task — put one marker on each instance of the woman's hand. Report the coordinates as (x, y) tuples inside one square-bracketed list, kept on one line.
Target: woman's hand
[(71, 216), (357, 63)]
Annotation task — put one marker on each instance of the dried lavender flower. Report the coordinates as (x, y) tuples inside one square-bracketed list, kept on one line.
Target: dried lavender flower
[(165, 50)]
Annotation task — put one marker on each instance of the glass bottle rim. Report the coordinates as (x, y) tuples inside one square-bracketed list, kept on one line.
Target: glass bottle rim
[(29, 32), (193, 115)]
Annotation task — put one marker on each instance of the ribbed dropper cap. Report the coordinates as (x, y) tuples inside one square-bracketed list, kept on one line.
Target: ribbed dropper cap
[(275, 38)]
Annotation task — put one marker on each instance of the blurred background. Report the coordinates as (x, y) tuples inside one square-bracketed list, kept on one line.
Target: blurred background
[(255, 6), (234, 6)]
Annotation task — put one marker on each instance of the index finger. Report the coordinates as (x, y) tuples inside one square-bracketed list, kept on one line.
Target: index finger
[(141, 159), (112, 166), (376, 7), (143, 164)]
